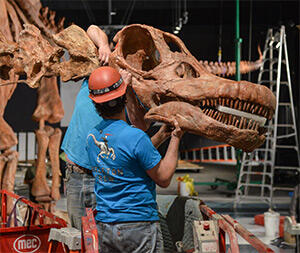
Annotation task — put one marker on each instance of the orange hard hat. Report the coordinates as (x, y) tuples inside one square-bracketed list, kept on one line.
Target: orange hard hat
[(105, 84)]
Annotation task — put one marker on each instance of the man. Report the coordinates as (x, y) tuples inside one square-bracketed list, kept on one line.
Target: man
[(79, 179), (126, 167)]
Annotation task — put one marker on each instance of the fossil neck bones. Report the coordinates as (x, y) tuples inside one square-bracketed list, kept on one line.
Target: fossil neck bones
[(167, 80)]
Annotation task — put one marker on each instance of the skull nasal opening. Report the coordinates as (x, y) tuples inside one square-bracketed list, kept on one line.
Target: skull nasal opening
[(139, 49)]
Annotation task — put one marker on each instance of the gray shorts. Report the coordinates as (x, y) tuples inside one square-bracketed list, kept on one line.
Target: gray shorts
[(131, 237)]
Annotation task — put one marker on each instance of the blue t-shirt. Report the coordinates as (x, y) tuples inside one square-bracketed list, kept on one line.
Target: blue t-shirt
[(84, 118), (120, 155)]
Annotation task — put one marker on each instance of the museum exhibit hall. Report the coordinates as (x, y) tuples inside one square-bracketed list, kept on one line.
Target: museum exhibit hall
[(147, 126)]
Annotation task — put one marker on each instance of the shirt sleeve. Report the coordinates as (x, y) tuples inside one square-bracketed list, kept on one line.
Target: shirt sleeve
[(146, 154)]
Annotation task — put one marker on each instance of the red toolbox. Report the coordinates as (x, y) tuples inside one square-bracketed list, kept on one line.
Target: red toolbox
[(32, 235)]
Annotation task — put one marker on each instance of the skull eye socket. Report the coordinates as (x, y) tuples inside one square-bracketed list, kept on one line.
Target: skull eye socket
[(4, 72), (172, 44), (139, 49), (185, 70)]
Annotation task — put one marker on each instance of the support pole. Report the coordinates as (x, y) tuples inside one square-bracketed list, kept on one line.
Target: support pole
[(238, 42), (109, 12), (250, 37)]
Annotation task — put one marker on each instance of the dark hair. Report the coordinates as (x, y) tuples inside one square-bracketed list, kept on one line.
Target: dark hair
[(111, 107)]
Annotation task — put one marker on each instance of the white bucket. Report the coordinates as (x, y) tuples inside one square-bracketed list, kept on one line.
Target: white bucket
[(183, 189), (272, 219)]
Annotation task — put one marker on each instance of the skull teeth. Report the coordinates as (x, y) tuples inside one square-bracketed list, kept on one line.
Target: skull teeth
[(248, 106), (228, 119), (238, 105), (242, 123)]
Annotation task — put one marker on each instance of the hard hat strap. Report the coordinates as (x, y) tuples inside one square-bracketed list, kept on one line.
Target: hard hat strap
[(107, 89)]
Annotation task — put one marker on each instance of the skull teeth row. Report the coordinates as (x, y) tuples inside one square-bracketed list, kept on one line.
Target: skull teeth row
[(228, 119), (239, 105)]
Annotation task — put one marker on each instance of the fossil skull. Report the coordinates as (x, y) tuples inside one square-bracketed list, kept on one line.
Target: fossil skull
[(170, 83)]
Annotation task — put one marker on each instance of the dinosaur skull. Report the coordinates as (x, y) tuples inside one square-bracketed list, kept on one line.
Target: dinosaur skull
[(171, 83)]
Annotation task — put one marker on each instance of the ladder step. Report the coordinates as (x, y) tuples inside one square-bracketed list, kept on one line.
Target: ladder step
[(284, 104), (256, 173), (266, 81), (286, 136), (287, 168), (241, 197), (283, 188), (272, 60), (287, 146), (273, 82), (248, 161), (285, 125), (255, 185), (268, 70), (283, 82), (264, 149)]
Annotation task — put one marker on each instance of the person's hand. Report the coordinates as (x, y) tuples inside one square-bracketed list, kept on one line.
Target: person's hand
[(126, 76), (294, 222), (104, 53), (177, 132), (165, 131), (162, 134)]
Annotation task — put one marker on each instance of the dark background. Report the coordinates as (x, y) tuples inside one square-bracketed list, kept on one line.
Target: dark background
[(201, 34)]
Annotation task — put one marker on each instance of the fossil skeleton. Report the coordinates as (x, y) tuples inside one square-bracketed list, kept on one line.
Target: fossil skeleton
[(13, 14), (228, 68), (167, 83), (170, 84)]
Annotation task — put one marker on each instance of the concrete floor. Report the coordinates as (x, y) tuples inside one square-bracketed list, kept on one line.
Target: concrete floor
[(220, 200)]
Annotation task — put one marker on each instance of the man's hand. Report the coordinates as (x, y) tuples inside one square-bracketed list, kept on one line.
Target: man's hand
[(294, 222), (100, 40), (104, 53), (163, 133), (126, 76), (177, 132)]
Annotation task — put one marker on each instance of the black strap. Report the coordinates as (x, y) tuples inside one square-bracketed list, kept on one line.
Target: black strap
[(27, 217), (14, 213), (107, 89)]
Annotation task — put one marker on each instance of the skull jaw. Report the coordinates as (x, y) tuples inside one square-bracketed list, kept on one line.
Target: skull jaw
[(193, 120)]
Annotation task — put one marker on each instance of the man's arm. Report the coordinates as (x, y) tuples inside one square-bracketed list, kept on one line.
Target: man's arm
[(163, 133), (101, 41), (162, 173)]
